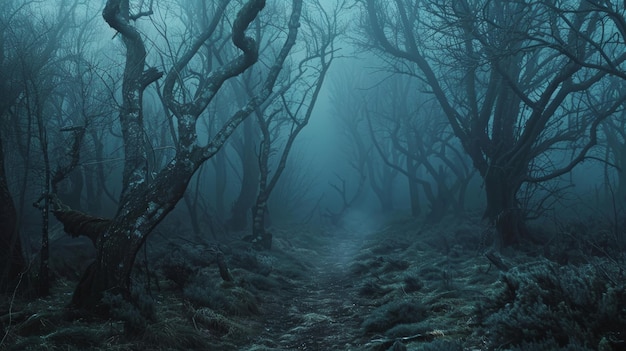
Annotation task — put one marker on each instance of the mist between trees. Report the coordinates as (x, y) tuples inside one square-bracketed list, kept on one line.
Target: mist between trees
[(225, 117)]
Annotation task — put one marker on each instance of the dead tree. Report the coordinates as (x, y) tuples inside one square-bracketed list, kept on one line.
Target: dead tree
[(12, 261), (295, 103), (514, 81), (29, 48), (145, 201), (349, 98)]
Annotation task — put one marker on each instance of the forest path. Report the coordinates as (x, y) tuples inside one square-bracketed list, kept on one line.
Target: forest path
[(322, 311)]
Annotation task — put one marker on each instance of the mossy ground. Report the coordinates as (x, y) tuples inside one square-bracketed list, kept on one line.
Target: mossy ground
[(329, 288)]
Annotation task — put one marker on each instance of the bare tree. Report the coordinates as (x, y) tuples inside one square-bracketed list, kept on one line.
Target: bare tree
[(244, 146), (11, 255), (349, 97), (406, 122), (29, 44), (145, 200), (516, 81), (614, 131), (296, 101)]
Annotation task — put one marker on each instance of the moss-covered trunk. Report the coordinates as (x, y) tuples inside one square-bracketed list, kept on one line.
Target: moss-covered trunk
[(118, 242)]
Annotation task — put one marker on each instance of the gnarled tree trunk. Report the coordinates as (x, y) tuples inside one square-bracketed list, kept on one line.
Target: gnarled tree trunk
[(118, 241), (244, 203), (12, 261), (503, 208), (144, 203)]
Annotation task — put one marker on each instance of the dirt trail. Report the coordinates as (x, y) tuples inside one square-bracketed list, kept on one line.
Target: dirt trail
[(322, 312)]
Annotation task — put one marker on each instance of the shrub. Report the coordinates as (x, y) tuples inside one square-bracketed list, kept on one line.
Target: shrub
[(412, 284), (235, 300), (135, 313), (549, 344), (373, 289), (443, 345), (393, 313), (568, 305)]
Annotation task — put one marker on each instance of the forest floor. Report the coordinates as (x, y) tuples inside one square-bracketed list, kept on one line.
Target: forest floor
[(359, 285), (399, 285)]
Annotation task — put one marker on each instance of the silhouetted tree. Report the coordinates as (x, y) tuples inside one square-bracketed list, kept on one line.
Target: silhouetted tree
[(145, 198), (12, 261), (293, 107), (245, 146), (349, 97), (614, 131), (30, 47), (516, 80), (404, 121)]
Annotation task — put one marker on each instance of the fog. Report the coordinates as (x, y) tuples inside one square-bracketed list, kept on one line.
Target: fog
[(127, 126), (325, 153)]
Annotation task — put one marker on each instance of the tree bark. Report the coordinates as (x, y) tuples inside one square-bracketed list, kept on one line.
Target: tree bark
[(244, 203), (414, 197), (119, 240), (260, 236), (503, 208), (221, 181), (12, 262)]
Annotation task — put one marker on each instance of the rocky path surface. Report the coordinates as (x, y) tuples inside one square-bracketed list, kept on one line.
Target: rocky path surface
[(322, 310)]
